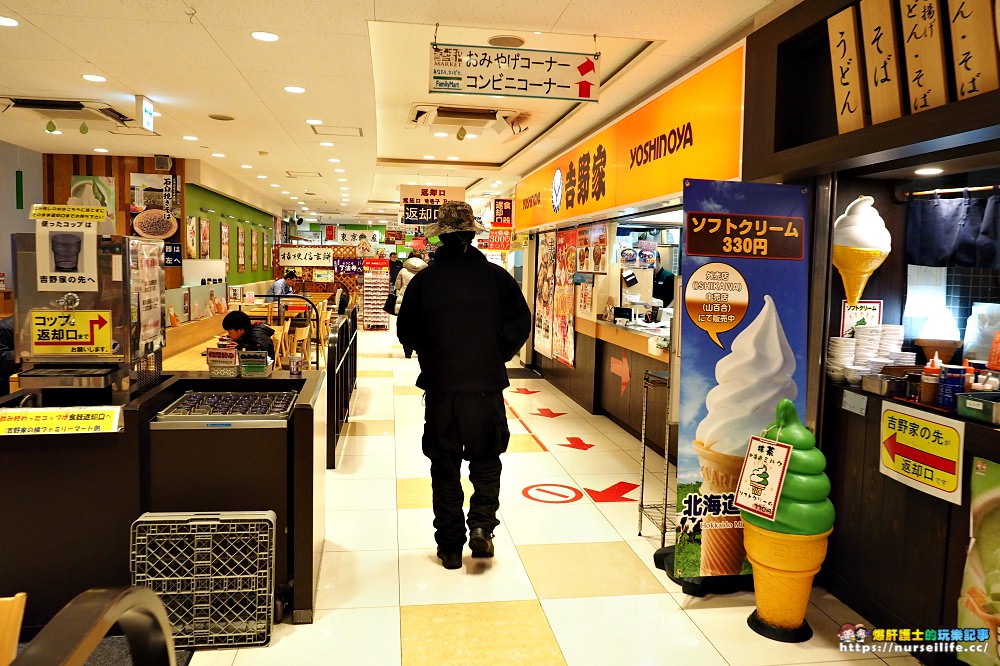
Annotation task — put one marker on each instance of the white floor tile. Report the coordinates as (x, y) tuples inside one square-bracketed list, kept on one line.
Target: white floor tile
[(366, 445), (645, 549), (361, 530), (367, 636), (559, 442), (358, 579), (224, 657), (527, 489), (520, 464), (639, 629), (360, 494), (561, 425), (595, 462), (416, 530), (500, 578), (364, 467), (566, 523)]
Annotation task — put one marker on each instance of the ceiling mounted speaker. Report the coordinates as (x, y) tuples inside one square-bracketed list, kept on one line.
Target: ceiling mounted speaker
[(506, 41), (162, 162)]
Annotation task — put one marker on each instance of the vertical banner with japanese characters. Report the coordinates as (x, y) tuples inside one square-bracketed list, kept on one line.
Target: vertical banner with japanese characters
[(267, 250), (66, 247), (148, 274), (254, 249), (977, 605), (564, 306), (224, 236), (241, 249), (155, 206), (743, 324), (191, 237), (545, 288), (205, 244)]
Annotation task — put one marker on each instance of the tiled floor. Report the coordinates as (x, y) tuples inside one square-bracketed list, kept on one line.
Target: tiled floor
[(572, 582)]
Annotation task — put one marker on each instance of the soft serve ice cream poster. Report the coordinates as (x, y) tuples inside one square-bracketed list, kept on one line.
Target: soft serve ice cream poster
[(743, 348)]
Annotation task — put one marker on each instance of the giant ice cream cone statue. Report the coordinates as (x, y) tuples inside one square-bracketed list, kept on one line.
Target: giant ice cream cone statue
[(860, 245), (786, 553), (756, 374)]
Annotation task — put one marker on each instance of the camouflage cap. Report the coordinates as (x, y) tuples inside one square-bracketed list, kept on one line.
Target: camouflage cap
[(453, 216)]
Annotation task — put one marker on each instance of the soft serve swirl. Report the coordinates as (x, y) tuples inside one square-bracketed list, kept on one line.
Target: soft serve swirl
[(755, 375), (862, 226)]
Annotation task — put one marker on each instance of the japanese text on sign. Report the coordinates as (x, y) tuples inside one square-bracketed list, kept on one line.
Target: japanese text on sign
[(482, 70), (585, 177), (89, 214), (348, 266), (73, 332), (762, 475), (419, 213), (756, 236), (499, 239), (503, 213), (59, 421), (347, 236), (295, 255), (922, 450)]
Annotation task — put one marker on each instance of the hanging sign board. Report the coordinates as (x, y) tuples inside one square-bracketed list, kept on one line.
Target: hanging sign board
[(762, 475), (421, 204), (300, 255), (503, 214), (483, 70), (845, 59), (72, 332)]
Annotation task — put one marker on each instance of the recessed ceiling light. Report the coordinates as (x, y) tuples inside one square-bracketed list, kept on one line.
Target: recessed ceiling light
[(326, 144), (313, 121), (157, 114), (441, 134), (53, 132), (537, 33), (344, 187), (218, 154), (471, 136), (497, 96), (453, 158), (381, 210), (100, 150), (295, 89), (340, 170), (498, 182), (334, 160), (295, 198), (928, 171), (428, 157), (428, 183), (341, 180), (264, 36), (8, 22), (284, 192), (96, 78), (411, 183), (262, 177), (304, 207), (188, 137)]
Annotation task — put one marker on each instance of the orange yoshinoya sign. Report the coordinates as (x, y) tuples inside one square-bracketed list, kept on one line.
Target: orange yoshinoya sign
[(691, 130)]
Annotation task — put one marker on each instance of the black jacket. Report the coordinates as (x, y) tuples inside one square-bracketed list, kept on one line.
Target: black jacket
[(258, 338), (466, 318)]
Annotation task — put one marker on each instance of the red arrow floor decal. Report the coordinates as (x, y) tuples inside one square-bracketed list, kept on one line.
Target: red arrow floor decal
[(620, 368), (615, 493), (548, 413), (916, 455), (524, 391), (577, 443)]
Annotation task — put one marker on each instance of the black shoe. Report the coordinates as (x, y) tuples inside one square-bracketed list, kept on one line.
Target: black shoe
[(481, 543), (450, 560)]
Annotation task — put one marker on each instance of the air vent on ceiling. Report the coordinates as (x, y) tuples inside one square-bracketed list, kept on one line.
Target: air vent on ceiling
[(453, 117), (304, 174), (89, 111)]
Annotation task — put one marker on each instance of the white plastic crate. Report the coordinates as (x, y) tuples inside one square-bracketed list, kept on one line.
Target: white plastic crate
[(214, 573)]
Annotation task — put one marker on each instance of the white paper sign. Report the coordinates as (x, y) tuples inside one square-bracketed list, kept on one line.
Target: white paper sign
[(865, 312), (66, 255), (763, 473), (290, 256)]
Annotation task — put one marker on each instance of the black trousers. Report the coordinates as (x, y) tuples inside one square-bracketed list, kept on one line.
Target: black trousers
[(464, 426)]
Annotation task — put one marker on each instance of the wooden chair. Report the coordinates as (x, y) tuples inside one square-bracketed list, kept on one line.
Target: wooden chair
[(324, 332), (11, 614), (281, 344), (299, 343)]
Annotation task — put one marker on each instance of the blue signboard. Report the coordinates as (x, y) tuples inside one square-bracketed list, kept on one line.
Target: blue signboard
[(172, 253), (744, 317)]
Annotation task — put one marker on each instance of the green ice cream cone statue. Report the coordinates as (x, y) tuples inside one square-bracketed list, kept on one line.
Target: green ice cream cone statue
[(787, 553)]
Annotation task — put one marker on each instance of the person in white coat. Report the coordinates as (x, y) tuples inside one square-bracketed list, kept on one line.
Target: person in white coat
[(413, 265)]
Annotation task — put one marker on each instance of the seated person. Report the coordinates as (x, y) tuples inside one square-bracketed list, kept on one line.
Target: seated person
[(663, 283), (280, 287), (247, 336)]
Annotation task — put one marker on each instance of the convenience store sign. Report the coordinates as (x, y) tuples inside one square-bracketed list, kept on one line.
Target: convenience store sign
[(59, 421), (692, 130)]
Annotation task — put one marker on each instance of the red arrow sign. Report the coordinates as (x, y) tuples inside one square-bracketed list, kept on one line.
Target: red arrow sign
[(578, 444), (524, 391), (548, 413), (584, 88), (615, 493), (95, 324), (586, 67), (620, 368), (918, 456)]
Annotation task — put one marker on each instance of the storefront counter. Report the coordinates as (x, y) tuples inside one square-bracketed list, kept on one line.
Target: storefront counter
[(896, 555)]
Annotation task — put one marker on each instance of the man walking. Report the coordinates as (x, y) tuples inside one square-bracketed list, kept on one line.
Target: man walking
[(465, 318)]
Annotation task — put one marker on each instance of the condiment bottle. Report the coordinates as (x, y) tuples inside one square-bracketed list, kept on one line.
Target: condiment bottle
[(929, 381)]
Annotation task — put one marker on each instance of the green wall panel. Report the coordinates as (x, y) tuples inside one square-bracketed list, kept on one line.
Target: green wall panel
[(199, 198)]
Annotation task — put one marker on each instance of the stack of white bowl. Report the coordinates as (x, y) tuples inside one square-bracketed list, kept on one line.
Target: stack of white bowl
[(876, 364), (840, 353), (891, 339), (868, 340), (854, 373), (903, 358)]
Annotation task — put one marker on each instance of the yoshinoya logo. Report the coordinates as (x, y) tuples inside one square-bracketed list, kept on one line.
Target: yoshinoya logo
[(661, 146), (557, 190), (531, 201)]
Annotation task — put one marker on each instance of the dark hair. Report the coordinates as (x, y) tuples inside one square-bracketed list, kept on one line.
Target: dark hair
[(237, 320), (289, 275)]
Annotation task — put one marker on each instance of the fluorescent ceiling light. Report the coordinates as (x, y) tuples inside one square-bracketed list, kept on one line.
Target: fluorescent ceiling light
[(928, 171), (295, 89), (428, 157), (96, 78), (452, 158), (8, 22), (264, 36), (313, 121), (246, 166), (326, 144), (100, 150), (218, 154), (188, 137), (441, 134)]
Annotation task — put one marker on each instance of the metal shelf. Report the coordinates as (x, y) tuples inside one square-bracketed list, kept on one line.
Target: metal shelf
[(653, 379)]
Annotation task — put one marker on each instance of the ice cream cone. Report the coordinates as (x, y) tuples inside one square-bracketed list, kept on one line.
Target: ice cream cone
[(757, 489), (722, 551), (856, 265), (783, 569)]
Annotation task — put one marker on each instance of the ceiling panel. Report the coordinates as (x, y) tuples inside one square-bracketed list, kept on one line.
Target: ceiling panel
[(140, 10), (340, 17), (529, 15), (297, 53), (27, 42)]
